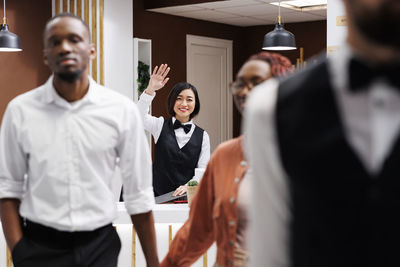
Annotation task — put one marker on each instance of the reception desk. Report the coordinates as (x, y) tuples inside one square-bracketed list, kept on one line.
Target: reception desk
[(168, 219)]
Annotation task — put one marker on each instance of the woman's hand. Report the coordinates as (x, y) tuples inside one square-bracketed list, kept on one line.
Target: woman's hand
[(180, 190), (240, 258), (158, 79)]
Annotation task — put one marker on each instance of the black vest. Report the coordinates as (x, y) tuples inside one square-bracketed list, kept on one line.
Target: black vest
[(342, 216), (173, 166)]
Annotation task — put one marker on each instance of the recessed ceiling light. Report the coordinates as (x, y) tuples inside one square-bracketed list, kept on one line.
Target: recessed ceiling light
[(303, 5)]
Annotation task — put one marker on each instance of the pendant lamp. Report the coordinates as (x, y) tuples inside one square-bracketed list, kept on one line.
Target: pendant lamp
[(9, 42), (279, 38)]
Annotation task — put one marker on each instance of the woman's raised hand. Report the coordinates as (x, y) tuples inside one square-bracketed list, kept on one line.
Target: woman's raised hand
[(158, 79)]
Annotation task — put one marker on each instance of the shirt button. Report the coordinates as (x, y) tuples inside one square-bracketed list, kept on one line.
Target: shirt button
[(231, 243), (232, 223), (232, 200), (230, 262), (236, 180), (243, 163)]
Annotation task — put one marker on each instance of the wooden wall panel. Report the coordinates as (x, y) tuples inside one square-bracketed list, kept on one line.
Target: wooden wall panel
[(58, 7), (79, 8), (72, 6), (92, 12), (86, 9), (65, 5)]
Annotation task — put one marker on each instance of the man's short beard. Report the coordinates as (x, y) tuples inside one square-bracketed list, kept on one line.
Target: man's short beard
[(69, 77), (381, 26)]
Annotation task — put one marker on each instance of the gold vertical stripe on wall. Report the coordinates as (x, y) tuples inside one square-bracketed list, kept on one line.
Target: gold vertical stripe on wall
[(101, 13), (65, 5), (94, 38), (169, 235), (205, 260), (72, 6), (86, 11), (9, 258), (57, 6), (79, 8), (133, 246)]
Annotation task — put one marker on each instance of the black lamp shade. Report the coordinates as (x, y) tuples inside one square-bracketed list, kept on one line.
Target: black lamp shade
[(9, 42), (279, 39)]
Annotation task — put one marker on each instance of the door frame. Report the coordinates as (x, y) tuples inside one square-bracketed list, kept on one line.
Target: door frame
[(227, 45)]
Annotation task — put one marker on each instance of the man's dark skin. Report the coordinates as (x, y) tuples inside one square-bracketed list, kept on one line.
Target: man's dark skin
[(67, 52), (367, 19)]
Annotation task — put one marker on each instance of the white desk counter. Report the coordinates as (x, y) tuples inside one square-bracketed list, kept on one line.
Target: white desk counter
[(163, 213), (168, 219)]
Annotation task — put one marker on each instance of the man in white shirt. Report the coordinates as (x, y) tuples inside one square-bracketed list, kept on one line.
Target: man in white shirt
[(325, 150), (59, 145)]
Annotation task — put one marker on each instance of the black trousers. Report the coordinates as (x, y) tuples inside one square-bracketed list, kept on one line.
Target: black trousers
[(43, 246)]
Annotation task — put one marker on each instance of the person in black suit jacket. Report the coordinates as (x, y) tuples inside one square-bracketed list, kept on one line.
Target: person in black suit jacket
[(325, 148)]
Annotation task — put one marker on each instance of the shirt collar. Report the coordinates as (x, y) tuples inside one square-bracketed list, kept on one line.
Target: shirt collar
[(338, 65), (51, 95), (189, 122)]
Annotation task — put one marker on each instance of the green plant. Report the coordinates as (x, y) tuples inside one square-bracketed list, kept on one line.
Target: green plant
[(143, 76), (192, 183)]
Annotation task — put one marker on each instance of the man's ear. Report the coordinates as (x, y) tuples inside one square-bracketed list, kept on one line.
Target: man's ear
[(45, 57), (92, 51)]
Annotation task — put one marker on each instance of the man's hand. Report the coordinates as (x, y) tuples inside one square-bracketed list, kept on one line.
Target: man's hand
[(158, 79), (144, 226), (10, 220)]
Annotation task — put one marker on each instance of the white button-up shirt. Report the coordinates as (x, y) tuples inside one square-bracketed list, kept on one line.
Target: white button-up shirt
[(68, 153)]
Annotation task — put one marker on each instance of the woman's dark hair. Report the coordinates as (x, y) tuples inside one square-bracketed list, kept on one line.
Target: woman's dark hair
[(173, 95)]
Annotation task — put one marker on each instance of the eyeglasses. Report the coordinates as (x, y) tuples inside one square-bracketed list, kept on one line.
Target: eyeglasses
[(241, 84)]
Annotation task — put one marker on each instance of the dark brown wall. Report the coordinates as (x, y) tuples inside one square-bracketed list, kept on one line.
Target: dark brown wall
[(22, 71), (168, 35), (309, 35)]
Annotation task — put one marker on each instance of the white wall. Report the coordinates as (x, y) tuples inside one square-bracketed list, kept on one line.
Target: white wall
[(335, 34), (118, 46)]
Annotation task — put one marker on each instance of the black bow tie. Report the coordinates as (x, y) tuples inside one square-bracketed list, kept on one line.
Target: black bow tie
[(186, 127), (361, 74)]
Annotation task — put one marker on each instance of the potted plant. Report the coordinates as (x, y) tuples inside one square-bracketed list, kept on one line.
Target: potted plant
[(191, 190), (143, 76)]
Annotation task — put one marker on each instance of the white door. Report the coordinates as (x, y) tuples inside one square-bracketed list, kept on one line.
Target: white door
[(209, 69)]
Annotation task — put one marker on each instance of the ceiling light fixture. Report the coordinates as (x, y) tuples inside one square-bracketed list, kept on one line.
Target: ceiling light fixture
[(279, 38), (9, 42)]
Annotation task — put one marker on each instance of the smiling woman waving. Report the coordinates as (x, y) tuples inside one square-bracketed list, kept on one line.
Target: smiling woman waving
[(181, 147)]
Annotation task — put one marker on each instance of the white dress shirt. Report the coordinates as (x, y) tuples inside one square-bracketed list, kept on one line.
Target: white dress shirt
[(371, 121), (154, 125), (68, 152)]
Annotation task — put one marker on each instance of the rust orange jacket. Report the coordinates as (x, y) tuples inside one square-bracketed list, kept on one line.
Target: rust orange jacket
[(213, 212)]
